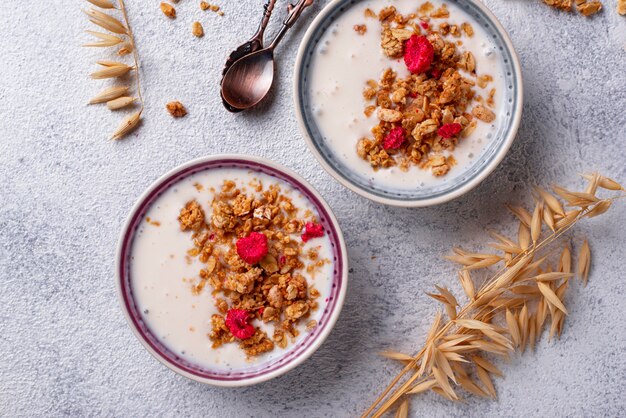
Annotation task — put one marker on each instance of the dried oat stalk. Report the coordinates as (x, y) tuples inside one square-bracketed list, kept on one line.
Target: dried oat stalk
[(510, 310), (116, 97)]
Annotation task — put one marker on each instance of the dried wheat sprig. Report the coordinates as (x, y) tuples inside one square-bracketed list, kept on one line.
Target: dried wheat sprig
[(472, 329), (116, 97)]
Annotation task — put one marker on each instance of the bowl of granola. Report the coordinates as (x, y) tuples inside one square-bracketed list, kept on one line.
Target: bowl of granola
[(408, 103), (231, 270)]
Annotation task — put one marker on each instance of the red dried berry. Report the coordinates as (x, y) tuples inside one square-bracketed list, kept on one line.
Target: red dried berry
[(449, 130), (252, 248), (418, 54), (312, 230), (237, 323), (424, 25), (394, 139)]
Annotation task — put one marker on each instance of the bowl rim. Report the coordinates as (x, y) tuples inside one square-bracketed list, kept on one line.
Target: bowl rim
[(126, 237), (428, 201)]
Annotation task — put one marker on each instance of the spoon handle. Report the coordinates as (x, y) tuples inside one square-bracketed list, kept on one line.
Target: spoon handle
[(294, 13), (268, 7)]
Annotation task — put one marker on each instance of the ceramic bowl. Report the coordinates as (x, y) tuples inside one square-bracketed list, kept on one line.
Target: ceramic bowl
[(253, 373), (476, 172)]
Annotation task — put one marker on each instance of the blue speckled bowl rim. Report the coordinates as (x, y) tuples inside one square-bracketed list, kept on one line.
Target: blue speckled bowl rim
[(255, 373), (479, 170)]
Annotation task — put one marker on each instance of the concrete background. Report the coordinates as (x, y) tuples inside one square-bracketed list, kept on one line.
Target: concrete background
[(65, 191)]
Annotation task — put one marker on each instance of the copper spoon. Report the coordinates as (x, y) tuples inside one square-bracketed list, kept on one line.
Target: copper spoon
[(253, 44), (250, 78)]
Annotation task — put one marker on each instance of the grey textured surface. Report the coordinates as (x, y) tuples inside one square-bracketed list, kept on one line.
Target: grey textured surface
[(65, 191)]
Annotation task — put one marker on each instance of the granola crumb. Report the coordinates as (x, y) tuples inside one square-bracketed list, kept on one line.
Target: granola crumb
[(152, 221), (589, 8), (483, 114), (197, 29), (468, 29), (370, 13), (360, 29), (621, 7), (176, 109), (565, 5), (168, 10), (204, 5)]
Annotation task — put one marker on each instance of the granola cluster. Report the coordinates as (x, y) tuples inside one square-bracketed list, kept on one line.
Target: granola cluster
[(584, 7), (426, 113), (253, 259)]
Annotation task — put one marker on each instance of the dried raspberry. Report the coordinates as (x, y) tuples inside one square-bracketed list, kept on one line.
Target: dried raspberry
[(413, 94), (237, 323), (424, 25), (394, 139), (449, 130), (252, 248), (418, 54), (312, 230)]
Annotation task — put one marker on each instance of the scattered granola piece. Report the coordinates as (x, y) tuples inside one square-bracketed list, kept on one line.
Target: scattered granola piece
[(360, 29), (419, 54), (237, 323), (168, 10), (252, 248), (204, 5), (560, 4), (191, 217), (394, 139), (440, 13), (176, 109), (484, 114), (386, 13), (197, 29), (621, 7), (369, 13), (312, 230), (468, 29), (589, 8)]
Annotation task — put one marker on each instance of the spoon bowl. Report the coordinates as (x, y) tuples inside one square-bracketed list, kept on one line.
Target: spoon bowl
[(249, 79)]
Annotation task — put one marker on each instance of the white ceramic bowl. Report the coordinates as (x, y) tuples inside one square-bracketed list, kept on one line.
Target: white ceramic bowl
[(425, 196), (254, 373)]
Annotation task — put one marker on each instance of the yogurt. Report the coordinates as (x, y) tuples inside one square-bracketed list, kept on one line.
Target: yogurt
[(162, 276), (343, 62)]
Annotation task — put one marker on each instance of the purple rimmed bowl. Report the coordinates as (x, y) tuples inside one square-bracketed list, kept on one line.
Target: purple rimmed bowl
[(253, 373)]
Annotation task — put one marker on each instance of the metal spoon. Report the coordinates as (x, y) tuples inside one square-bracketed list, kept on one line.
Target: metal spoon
[(253, 44), (250, 78)]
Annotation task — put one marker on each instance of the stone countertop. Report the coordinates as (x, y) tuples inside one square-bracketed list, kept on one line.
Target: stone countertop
[(65, 191)]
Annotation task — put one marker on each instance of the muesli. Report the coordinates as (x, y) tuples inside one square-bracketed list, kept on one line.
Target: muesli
[(433, 107), (251, 247)]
